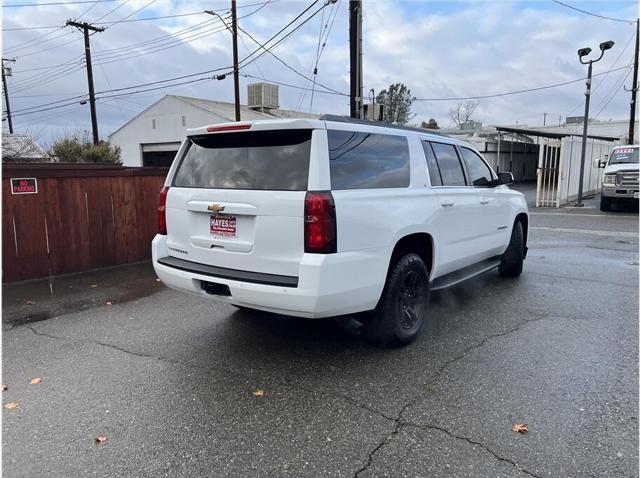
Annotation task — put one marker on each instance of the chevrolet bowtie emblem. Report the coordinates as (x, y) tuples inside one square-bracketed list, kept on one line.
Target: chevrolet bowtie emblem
[(215, 208)]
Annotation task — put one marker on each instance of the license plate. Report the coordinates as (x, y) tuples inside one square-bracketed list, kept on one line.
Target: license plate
[(223, 225), (636, 195)]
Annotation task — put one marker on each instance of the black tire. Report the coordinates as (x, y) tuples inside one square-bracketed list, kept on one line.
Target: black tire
[(513, 257), (400, 314), (605, 203)]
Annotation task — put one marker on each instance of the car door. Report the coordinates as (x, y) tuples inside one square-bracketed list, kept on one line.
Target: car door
[(493, 228), (456, 223)]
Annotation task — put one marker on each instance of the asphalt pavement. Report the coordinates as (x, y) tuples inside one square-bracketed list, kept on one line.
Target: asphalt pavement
[(181, 386)]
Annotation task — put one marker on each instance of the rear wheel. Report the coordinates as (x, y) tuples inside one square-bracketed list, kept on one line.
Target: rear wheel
[(400, 314), (513, 257), (605, 203)]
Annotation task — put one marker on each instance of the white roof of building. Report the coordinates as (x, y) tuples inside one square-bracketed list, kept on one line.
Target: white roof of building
[(227, 110), (21, 147)]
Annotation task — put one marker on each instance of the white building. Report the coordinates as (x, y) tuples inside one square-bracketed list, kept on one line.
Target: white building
[(152, 138)]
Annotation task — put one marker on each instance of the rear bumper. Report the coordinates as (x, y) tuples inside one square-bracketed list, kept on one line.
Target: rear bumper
[(328, 284)]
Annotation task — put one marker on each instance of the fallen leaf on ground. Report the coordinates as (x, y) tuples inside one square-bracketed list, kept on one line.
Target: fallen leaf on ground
[(157, 280), (109, 302), (520, 428), (10, 405), (4, 387), (30, 302), (258, 392), (101, 439), (35, 381)]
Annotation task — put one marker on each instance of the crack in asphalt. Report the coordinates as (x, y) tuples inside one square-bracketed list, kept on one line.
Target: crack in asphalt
[(472, 442), (398, 421)]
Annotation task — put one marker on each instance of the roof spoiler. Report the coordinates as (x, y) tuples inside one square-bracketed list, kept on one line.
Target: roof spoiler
[(347, 119)]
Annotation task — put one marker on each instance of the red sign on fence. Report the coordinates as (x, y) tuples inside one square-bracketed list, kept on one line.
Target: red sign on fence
[(24, 186)]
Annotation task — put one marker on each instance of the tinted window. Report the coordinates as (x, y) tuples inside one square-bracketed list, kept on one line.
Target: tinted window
[(368, 160), (434, 171), (477, 170), (449, 164), (271, 160)]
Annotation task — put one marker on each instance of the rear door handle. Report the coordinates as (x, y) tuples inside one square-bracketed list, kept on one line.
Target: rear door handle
[(446, 204)]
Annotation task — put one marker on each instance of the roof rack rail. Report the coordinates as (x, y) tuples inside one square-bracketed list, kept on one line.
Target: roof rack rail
[(347, 119)]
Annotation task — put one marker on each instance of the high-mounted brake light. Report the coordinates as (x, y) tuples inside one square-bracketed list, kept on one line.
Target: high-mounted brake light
[(319, 223), (229, 127), (162, 215)]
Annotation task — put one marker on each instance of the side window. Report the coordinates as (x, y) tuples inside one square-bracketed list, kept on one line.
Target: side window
[(368, 160), (449, 164), (432, 165), (478, 171)]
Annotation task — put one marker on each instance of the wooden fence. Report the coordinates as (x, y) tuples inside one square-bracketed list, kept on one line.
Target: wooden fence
[(82, 217)]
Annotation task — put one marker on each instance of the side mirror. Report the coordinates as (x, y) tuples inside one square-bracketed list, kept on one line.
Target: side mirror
[(602, 163), (505, 178)]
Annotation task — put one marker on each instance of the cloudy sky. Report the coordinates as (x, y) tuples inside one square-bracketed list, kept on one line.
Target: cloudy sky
[(440, 50)]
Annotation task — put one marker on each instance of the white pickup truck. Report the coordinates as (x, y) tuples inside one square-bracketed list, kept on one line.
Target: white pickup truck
[(334, 217), (620, 180)]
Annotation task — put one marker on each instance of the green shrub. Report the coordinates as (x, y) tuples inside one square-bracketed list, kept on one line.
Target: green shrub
[(78, 148)]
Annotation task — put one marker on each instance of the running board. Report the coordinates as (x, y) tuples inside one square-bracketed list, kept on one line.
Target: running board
[(461, 275)]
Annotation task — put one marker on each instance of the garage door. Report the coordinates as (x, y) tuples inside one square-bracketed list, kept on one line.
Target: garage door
[(159, 154)]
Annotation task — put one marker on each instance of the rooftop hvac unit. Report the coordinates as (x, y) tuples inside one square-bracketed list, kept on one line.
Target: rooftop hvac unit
[(263, 95)]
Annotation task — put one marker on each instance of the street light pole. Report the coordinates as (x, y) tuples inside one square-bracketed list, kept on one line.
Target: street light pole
[(582, 52), (585, 125), (234, 34)]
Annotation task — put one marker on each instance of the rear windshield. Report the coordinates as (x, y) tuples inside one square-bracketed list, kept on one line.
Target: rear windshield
[(267, 160), (624, 155)]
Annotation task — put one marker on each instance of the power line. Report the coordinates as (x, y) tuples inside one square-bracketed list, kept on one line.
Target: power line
[(335, 9), (288, 85), (612, 94), (496, 95), (282, 29), (160, 47), (282, 61), (75, 2), (591, 13), (130, 15)]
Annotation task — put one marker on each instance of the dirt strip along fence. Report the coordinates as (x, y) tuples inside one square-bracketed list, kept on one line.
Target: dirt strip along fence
[(82, 217)]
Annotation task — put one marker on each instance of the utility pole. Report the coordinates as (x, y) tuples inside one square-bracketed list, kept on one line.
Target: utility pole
[(634, 89), (7, 72), (234, 35), (355, 55), (544, 120), (85, 27), (236, 73)]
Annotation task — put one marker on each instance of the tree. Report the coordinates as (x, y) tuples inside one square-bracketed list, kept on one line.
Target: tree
[(431, 124), (396, 102), (78, 148), (463, 112)]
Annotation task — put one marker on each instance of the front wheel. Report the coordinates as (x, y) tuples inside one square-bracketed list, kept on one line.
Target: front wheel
[(605, 204), (400, 314), (513, 257)]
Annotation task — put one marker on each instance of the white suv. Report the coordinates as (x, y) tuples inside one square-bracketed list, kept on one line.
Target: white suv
[(334, 217)]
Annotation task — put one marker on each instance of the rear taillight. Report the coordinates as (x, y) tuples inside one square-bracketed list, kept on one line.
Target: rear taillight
[(319, 223), (162, 215)]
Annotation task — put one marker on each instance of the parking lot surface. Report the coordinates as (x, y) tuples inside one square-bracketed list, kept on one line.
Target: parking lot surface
[(181, 386)]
